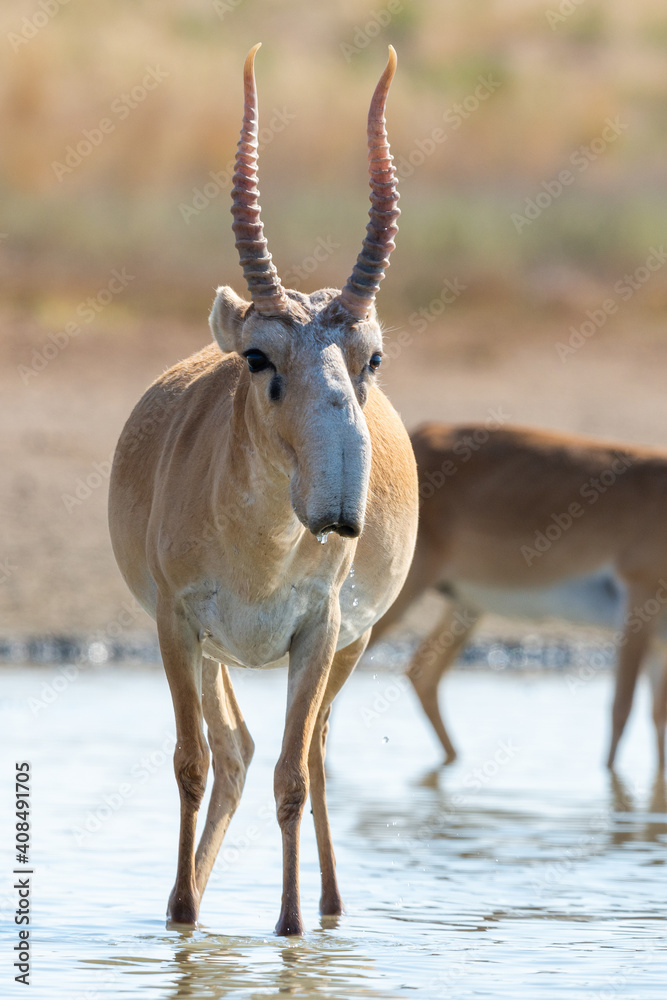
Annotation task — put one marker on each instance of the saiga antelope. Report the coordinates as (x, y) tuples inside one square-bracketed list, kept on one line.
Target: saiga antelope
[(520, 509), (231, 470)]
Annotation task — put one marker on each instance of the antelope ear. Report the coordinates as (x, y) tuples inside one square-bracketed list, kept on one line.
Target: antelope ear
[(227, 316)]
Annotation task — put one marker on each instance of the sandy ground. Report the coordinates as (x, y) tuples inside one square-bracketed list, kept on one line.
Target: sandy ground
[(488, 361)]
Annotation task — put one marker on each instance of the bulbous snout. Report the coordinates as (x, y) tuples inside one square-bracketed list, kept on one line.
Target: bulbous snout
[(332, 450), (334, 498), (330, 487)]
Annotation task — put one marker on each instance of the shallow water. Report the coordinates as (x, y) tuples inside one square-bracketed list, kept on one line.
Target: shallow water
[(521, 871)]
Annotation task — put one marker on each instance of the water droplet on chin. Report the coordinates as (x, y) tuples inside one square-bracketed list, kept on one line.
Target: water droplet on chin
[(322, 537), (355, 602)]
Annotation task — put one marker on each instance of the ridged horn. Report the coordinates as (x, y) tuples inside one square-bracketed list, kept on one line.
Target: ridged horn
[(362, 285), (259, 271)]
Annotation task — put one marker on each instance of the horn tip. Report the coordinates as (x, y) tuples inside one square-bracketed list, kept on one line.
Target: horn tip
[(250, 58), (392, 61)]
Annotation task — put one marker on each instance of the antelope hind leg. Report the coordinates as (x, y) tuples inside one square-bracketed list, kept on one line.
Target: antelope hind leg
[(632, 652), (435, 654), (660, 713), (343, 664), (232, 749)]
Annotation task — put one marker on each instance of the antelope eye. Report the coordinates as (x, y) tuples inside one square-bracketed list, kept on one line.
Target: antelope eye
[(257, 360), (375, 362)]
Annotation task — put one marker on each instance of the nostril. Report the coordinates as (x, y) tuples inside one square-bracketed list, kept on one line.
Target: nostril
[(342, 528), (347, 530)]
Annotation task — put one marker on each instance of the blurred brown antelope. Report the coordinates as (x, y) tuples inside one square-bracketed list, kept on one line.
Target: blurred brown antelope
[(266, 444), (529, 510)]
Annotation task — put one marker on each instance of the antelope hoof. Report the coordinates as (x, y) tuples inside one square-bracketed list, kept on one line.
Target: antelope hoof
[(450, 757), (331, 906), (182, 909), (289, 925)]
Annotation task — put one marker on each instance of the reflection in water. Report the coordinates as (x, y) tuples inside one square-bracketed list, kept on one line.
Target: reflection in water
[(647, 826), (213, 966), (461, 820), (463, 833)]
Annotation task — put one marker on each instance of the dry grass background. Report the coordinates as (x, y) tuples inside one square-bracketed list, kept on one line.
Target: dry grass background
[(555, 86), (555, 89)]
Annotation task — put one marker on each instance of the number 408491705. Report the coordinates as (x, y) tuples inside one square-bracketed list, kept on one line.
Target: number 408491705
[(22, 811)]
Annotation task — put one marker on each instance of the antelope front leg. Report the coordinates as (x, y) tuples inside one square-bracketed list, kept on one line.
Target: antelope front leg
[(311, 656), (181, 655), (343, 664)]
